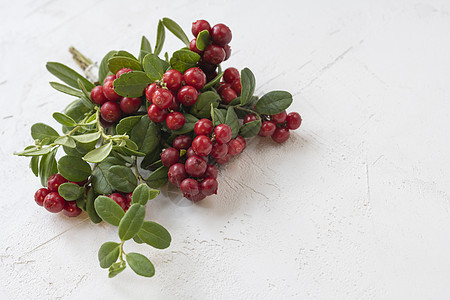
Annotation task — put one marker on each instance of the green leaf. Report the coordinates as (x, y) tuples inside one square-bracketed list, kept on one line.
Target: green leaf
[(40, 131), (137, 239), (90, 208), (151, 157), (232, 120), (219, 116), (98, 154), (273, 102), (103, 69), (66, 141), (47, 167), (132, 84), (34, 152), (184, 59), (124, 53), (81, 203), (141, 194), (202, 108), (73, 168), (160, 37), (250, 129), (122, 178), (65, 89), (70, 191), (63, 119), (188, 126), (67, 75), (155, 235), (116, 63), (213, 82), (131, 222), (87, 138), (116, 268), (34, 165), (145, 45), (158, 177), (108, 254), (99, 175), (108, 210), (76, 110), (140, 264), (176, 30), (203, 40), (153, 67), (248, 85), (146, 135)]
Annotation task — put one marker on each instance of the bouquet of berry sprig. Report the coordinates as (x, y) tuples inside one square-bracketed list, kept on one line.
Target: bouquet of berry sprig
[(176, 117)]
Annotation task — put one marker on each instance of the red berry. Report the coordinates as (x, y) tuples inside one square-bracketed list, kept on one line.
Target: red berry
[(267, 128), (55, 181), (195, 77), (71, 209), (293, 120), (123, 71), (193, 47), (162, 98), (128, 199), (211, 76), (228, 95), (53, 202), (227, 50), (236, 86), (156, 114), (105, 124), (223, 133), (279, 118), (250, 118), (190, 187), (219, 150), (224, 159), (97, 95), (110, 111), (187, 95), (170, 156), (203, 127), (173, 78), (235, 147), (223, 86), (175, 106), (40, 195), (202, 145), (195, 166), (182, 142), (281, 135), (150, 90), (119, 199), (109, 78), (195, 198), (221, 34), (241, 140), (175, 120), (200, 25), (177, 173), (230, 75), (130, 105), (209, 186), (190, 152), (108, 91), (211, 171), (214, 54)]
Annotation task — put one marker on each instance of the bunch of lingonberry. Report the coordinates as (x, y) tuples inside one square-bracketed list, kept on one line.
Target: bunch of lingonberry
[(145, 121)]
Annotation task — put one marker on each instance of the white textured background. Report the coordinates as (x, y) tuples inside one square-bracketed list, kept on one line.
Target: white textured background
[(354, 206)]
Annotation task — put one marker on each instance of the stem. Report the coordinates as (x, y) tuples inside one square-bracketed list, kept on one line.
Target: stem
[(240, 108), (121, 252), (137, 173), (80, 59)]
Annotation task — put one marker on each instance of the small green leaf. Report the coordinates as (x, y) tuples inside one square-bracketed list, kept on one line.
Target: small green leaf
[(131, 222), (232, 120), (248, 85), (76, 110), (40, 131), (203, 40), (87, 138), (63, 119), (273, 102), (90, 208), (160, 37), (116, 63), (188, 126), (34, 152), (158, 177), (116, 268), (153, 67), (250, 129), (202, 108), (66, 141), (151, 157), (146, 135), (137, 239), (132, 84), (68, 75), (155, 235), (99, 175), (124, 53), (140, 264), (73, 168), (34, 165), (141, 194), (70, 191), (103, 68), (98, 154), (108, 210), (184, 59), (145, 45), (176, 30), (219, 116), (108, 254), (122, 178), (47, 167), (81, 202), (65, 89), (126, 124)]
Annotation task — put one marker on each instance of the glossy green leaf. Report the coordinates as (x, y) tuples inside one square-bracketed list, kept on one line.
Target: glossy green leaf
[(103, 68), (202, 108), (151, 157), (67, 75), (250, 129), (219, 116), (145, 45), (248, 85), (116, 268), (153, 67), (66, 141), (87, 138), (99, 175), (158, 177), (232, 120), (274, 102), (47, 167), (108, 210), (188, 126), (98, 154), (65, 89), (141, 194), (34, 165), (132, 84), (203, 40), (184, 59), (108, 254), (63, 119), (146, 135), (90, 207), (116, 63), (173, 27), (160, 37), (34, 152), (73, 168), (76, 110), (40, 131), (70, 191), (122, 178), (126, 124), (124, 53), (155, 235), (140, 264), (131, 222)]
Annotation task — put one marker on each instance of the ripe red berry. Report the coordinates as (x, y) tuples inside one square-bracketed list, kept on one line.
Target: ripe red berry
[(53, 202), (293, 120), (175, 106), (227, 50), (150, 90), (241, 139), (104, 123), (195, 166), (108, 91), (119, 199), (190, 187), (224, 159), (40, 195), (202, 145), (221, 34), (203, 127), (211, 171), (209, 186), (193, 47), (182, 142), (236, 86), (281, 135), (55, 181), (219, 150), (195, 77), (228, 95), (214, 54), (162, 98), (123, 71), (173, 78), (250, 118), (279, 118), (170, 156), (156, 114), (110, 111), (71, 209), (235, 147), (267, 128), (97, 95), (230, 75), (109, 78), (177, 173), (223, 86), (130, 105), (175, 120), (223, 133), (200, 25), (190, 152), (187, 95), (195, 198)]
